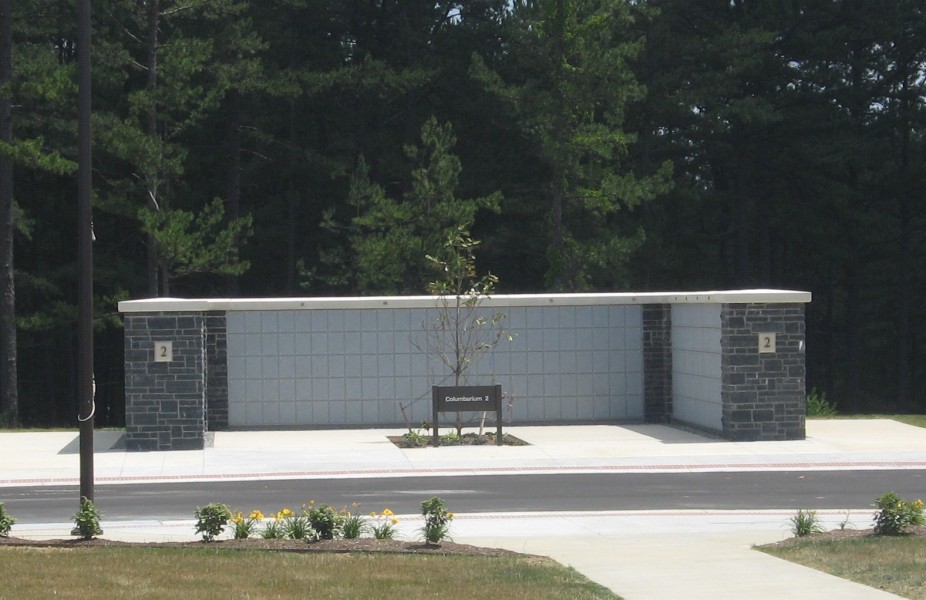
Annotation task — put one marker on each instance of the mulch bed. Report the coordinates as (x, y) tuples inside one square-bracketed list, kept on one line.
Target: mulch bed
[(842, 534), (467, 439), (361, 545)]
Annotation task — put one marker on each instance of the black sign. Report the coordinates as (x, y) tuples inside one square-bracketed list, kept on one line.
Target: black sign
[(468, 398)]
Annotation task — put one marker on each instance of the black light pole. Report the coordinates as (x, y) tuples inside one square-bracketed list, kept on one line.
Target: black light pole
[(85, 237)]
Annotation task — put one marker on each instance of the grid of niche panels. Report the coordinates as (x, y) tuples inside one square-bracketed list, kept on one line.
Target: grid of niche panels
[(696, 365), (332, 366)]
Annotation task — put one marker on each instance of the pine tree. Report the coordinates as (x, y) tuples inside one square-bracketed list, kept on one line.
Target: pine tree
[(9, 397), (391, 236), (567, 86)]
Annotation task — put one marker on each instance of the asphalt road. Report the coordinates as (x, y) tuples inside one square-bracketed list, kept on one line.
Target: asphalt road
[(491, 493)]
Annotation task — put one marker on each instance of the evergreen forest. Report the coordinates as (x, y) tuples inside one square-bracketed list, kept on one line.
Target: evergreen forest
[(260, 148)]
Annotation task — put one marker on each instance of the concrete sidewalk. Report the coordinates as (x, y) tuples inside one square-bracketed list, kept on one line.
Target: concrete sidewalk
[(52, 458), (639, 555)]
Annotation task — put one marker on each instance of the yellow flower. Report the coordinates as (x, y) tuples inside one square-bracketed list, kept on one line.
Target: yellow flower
[(373, 514), (394, 520), (387, 513), (918, 504), (450, 516), (282, 515), (238, 517), (257, 515), (312, 502)]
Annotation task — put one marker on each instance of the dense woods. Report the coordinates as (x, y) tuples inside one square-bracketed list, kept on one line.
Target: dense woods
[(322, 147)]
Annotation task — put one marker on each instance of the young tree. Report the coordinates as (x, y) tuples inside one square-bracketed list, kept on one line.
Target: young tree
[(462, 332)]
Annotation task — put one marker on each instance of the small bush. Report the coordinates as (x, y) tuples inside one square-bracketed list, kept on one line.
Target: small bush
[(436, 520), (896, 514), (819, 406), (806, 523), (87, 519), (6, 521), (211, 520), (326, 521)]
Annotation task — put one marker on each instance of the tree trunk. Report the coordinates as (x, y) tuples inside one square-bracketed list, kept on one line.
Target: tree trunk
[(904, 307), (165, 282), (154, 14), (905, 263), (562, 277), (151, 259), (291, 212), (233, 204), (9, 398), (741, 211), (853, 342)]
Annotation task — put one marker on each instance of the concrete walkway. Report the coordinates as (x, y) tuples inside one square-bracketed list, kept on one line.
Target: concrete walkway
[(638, 554)]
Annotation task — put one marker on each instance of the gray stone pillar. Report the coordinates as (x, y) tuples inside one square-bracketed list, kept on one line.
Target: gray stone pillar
[(763, 391), (164, 381)]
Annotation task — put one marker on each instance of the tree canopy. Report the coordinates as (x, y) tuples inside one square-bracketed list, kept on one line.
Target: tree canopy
[(320, 147)]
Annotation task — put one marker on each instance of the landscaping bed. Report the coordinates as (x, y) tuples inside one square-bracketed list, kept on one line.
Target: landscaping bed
[(362, 545), (418, 440)]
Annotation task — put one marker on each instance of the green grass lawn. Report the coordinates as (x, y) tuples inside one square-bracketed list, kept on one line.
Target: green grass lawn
[(896, 564), (200, 573)]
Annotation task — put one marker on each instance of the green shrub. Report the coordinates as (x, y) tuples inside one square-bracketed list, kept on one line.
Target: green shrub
[(326, 521), (896, 514), (436, 520), (211, 520), (818, 405), (6, 521), (87, 519), (806, 523)]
